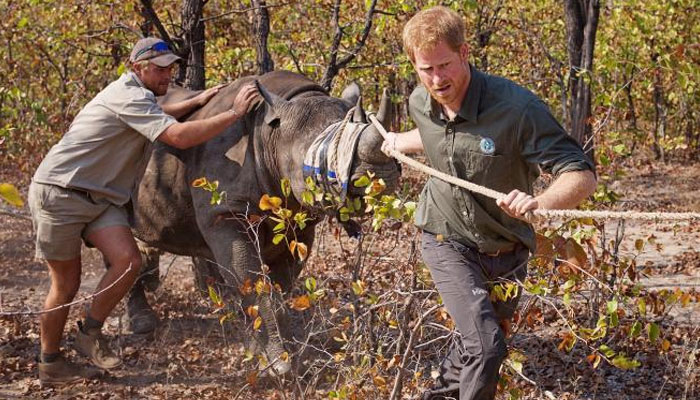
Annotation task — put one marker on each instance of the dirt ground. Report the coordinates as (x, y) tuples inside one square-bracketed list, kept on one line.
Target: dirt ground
[(192, 356)]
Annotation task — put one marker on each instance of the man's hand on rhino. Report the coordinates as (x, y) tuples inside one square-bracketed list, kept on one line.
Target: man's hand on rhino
[(517, 204), (204, 97), (244, 100)]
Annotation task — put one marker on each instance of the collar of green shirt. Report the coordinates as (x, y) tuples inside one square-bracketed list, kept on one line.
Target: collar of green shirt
[(469, 110)]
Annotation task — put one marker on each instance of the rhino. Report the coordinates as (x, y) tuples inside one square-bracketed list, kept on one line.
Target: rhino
[(249, 159)]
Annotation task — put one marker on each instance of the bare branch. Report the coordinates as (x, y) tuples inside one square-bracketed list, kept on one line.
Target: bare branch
[(83, 300), (243, 11), (335, 65), (153, 17), (16, 214)]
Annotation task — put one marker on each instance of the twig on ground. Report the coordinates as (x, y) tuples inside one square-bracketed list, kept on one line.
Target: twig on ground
[(15, 214), (82, 300)]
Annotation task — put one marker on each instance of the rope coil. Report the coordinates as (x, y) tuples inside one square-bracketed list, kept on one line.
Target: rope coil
[(541, 213)]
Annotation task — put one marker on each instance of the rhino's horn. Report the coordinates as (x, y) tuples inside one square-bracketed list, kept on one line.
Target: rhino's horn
[(351, 93), (270, 98), (359, 115), (384, 114)]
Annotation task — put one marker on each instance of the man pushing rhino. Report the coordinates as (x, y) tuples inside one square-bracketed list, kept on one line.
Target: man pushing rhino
[(79, 191)]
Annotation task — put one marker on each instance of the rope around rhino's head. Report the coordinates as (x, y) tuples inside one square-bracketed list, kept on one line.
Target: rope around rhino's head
[(292, 125)]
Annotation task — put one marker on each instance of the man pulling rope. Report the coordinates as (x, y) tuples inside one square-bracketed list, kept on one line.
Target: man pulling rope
[(490, 131)]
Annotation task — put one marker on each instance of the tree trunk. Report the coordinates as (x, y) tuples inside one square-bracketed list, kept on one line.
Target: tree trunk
[(261, 30), (631, 110), (660, 111), (193, 46), (582, 25)]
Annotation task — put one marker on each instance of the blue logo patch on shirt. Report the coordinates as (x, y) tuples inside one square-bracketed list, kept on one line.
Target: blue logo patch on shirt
[(487, 146)]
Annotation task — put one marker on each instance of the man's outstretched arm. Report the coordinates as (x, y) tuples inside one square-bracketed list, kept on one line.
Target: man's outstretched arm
[(567, 191), (407, 142), (183, 107)]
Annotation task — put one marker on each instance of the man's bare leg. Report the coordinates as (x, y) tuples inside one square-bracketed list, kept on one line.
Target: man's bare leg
[(53, 368), (117, 244), (65, 281), (119, 247)]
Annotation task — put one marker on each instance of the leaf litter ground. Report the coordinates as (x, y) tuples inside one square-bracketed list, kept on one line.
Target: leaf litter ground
[(192, 356)]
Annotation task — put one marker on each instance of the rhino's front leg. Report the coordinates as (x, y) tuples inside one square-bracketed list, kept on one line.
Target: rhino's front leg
[(206, 273), (241, 271)]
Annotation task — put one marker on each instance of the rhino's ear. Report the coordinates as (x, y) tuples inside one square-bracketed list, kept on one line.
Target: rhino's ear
[(272, 103), (351, 93), (359, 115)]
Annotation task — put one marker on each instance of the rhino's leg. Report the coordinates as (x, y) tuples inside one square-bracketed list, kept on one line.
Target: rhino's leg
[(206, 273), (140, 317), (233, 249), (286, 267)]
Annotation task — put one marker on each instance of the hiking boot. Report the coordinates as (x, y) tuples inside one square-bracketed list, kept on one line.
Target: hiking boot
[(96, 347), (62, 372)]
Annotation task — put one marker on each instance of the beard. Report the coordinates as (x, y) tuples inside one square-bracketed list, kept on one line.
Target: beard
[(160, 90)]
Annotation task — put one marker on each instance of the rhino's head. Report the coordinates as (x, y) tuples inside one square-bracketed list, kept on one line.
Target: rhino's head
[(369, 156), (292, 125)]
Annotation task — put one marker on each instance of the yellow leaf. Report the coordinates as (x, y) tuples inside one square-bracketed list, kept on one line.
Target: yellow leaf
[(292, 246), (199, 182), (302, 250), (301, 303), (257, 323), (440, 238), (284, 356), (262, 287), (252, 311), (269, 203), (379, 381), (10, 194), (665, 345), (685, 299)]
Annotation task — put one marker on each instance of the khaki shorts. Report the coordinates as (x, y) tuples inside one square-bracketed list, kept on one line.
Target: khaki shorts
[(62, 218)]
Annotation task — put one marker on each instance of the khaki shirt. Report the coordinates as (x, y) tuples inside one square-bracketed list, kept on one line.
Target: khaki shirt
[(103, 151), (501, 137)]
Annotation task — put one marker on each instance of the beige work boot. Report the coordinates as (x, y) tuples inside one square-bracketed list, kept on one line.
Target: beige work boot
[(62, 372), (96, 347)]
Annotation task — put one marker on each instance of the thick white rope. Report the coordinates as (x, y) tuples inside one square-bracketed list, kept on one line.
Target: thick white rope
[(651, 216)]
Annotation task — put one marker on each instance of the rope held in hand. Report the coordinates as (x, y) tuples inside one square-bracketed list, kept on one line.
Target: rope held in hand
[(549, 214)]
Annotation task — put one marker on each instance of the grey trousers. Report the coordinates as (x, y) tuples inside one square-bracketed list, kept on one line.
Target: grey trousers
[(463, 277)]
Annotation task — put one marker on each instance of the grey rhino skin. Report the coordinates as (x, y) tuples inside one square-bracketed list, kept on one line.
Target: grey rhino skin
[(249, 159)]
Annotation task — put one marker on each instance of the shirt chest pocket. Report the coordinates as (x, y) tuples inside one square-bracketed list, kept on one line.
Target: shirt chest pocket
[(482, 160)]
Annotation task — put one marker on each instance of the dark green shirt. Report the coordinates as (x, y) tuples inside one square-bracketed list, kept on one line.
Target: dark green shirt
[(501, 137)]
